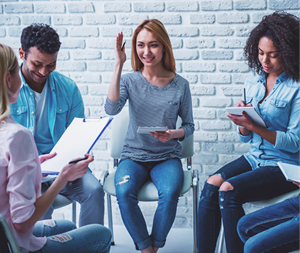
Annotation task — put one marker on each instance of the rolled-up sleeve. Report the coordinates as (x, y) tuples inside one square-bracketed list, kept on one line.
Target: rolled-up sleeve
[(22, 172)]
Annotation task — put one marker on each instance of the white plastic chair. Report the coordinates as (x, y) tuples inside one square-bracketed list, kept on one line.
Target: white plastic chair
[(259, 205), (148, 191)]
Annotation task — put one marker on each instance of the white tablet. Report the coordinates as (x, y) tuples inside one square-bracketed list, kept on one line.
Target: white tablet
[(147, 130), (290, 171), (250, 111)]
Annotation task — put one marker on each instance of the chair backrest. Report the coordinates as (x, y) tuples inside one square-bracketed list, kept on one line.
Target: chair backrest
[(119, 128), (8, 242)]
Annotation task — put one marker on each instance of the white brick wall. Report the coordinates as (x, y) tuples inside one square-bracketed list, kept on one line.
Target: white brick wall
[(208, 37)]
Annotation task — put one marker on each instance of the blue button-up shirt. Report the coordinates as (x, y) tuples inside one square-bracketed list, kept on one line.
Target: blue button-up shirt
[(281, 112), (64, 103)]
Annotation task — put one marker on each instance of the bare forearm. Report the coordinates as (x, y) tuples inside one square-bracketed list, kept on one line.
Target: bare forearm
[(114, 87), (266, 134)]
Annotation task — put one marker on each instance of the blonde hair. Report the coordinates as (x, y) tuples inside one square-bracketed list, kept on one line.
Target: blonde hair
[(158, 29), (8, 62)]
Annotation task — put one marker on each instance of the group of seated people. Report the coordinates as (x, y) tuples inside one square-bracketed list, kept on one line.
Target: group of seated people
[(38, 104)]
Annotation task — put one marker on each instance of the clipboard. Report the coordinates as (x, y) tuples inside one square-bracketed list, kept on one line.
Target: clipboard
[(78, 140), (291, 172), (250, 111)]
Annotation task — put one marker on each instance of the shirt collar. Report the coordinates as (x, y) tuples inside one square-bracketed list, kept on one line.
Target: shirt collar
[(280, 79)]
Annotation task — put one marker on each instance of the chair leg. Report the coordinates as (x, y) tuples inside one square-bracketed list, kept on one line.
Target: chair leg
[(221, 239), (110, 221), (74, 212), (195, 210)]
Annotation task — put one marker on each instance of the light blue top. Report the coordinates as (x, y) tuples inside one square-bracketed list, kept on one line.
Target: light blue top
[(281, 112), (64, 103), (152, 106)]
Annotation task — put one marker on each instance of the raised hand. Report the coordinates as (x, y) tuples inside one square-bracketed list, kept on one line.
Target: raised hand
[(119, 51)]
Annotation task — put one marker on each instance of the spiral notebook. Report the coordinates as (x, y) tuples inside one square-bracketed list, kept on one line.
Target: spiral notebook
[(78, 140)]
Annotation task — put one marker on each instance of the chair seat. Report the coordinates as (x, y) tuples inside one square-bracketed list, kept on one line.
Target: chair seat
[(61, 201), (148, 191)]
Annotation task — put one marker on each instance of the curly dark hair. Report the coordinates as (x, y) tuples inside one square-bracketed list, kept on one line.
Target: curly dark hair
[(41, 36), (283, 29)]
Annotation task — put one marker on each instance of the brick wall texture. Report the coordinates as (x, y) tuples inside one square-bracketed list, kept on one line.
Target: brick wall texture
[(208, 37)]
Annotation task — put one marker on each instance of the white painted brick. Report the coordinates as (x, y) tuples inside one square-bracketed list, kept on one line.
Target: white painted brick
[(204, 113), (232, 91), (239, 78), (113, 31), (9, 20), (61, 31), (284, 5), (199, 43), (103, 43), (110, 55), (232, 18), (215, 78), (205, 136), (100, 66), (14, 43), (217, 55), (100, 19), (192, 79), (149, 7), (239, 55), (215, 125), (222, 114), (86, 54), (1, 8), (28, 20), (96, 101), (250, 4), (195, 101), (50, 8), (128, 19), (186, 54), (231, 43), (99, 90), (84, 91), (205, 158), (236, 67), (176, 43), (211, 169), (183, 6), (225, 159), (2, 32), (257, 16), (84, 31), (18, 8), (72, 43), (15, 31), (202, 18), (81, 7), (202, 90), (182, 31), (97, 111), (67, 20), (178, 67), (215, 102), (214, 5), (199, 67), (106, 77), (63, 55), (168, 19), (243, 31), (71, 66), (117, 7), (86, 77), (127, 67), (216, 31), (228, 137), (217, 147)]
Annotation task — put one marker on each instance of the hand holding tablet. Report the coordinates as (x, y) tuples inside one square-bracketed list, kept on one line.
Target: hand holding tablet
[(147, 130)]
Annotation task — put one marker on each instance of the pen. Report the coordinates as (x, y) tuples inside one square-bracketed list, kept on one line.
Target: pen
[(123, 45), (78, 160), (244, 95)]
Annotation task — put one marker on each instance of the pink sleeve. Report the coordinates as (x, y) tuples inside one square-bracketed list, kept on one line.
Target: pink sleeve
[(23, 165)]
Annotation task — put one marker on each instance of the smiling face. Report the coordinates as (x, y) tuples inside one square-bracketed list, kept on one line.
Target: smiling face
[(37, 67), (149, 49), (270, 57)]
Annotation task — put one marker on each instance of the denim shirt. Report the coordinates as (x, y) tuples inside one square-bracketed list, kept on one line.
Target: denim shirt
[(65, 103), (281, 112)]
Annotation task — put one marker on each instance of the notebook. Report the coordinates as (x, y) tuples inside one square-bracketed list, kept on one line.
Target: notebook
[(290, 171)]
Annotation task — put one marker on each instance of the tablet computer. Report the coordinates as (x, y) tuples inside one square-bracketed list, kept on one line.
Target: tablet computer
[(290, 171), (147, 130)]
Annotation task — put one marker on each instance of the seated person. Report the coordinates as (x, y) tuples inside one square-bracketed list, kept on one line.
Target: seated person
[(47, 104), (272, 51), (20, 182), (272, 229), (156, 97)]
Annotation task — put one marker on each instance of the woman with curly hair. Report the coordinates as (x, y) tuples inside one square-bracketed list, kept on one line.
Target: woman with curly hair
[(272, 51)]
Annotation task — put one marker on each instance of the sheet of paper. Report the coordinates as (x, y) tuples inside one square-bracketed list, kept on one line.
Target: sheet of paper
[(250, 111), (77, 140), (290, 171), (147, 130)]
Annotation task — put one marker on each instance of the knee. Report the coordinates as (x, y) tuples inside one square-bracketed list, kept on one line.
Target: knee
[(170, 195), (215, 180), (95, 190), (226, 186), (242, 228)]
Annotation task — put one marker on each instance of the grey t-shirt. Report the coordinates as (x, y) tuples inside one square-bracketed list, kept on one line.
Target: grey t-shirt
[(151, 105)]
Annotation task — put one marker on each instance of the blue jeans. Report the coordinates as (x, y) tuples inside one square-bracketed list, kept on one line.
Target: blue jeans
[(89, 193), (248, 185), (274, 229), (167, 176), (62, 236)]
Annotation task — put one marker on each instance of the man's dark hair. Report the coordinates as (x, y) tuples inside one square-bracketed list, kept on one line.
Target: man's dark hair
[(41, 36), (283, 29)]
